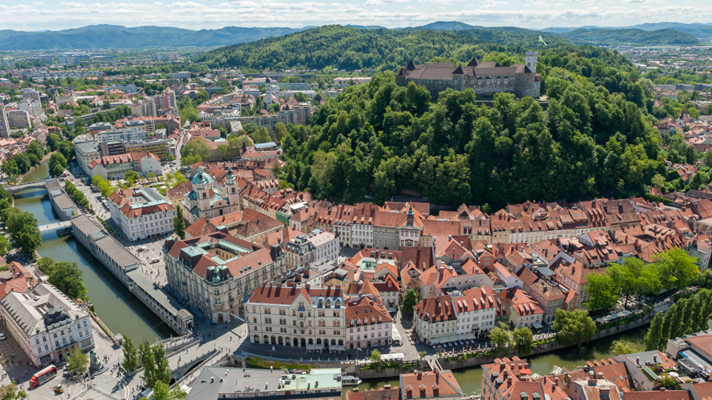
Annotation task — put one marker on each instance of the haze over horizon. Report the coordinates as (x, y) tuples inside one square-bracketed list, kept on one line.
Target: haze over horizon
[(215, 14)]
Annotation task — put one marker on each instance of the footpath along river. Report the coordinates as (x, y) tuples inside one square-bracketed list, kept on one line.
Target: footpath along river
[(470, 379), (114, 304)]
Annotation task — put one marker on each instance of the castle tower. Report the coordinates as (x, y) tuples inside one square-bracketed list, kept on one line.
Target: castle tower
[(530, 61)]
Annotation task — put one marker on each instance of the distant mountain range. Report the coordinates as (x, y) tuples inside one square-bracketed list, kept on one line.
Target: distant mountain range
[(145, 37), (702, 31), (120, 37)]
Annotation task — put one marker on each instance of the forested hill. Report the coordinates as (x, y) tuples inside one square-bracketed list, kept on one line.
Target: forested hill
[(375, 140), (635, 37), (349, 48), (336, 46)]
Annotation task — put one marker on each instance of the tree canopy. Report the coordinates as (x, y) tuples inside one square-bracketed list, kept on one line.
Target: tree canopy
[(24, 232), (574, 327), (378, 139)]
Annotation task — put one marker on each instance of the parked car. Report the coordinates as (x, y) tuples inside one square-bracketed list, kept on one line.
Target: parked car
[(2, 336)]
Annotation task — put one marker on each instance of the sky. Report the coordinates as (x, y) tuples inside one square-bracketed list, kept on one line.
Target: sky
[(214, 14)]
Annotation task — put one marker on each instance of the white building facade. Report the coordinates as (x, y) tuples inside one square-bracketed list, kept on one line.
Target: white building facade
[(46, 324), (309, 317), (476, 310), (326, 245), (142, 213)]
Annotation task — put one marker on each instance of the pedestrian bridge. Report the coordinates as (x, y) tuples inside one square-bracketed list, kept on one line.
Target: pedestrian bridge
[(55, 225), (24, 186)]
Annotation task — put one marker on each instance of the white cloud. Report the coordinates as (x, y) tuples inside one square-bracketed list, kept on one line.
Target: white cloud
[(213, 14)]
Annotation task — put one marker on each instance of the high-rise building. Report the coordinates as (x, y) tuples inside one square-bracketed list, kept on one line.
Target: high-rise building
[(166, 101)]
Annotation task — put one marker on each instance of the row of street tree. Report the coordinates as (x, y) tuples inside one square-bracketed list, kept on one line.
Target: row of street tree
[(156, 371), (672, 270)]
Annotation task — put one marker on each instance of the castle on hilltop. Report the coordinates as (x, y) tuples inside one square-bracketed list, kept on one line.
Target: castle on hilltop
[(486, 78)]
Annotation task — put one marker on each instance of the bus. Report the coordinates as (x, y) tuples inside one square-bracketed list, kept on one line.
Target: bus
[(43, 376)]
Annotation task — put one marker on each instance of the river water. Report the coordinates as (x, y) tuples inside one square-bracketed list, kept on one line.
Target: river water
[(113, 302), (470, 379)]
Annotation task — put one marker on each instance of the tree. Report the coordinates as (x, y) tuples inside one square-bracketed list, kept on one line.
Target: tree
[(57, 164), (574, 327), (524, 340), (501, 338), (9, 392), (131, 177), (162, 371), (409, 301), (669, 382), (635, 278), (24, 232), (35, 148), (677, 269), (375, 355), (654, 337), (4, 245), (161, 391), (603, 292), (103, 185), (145, 354), (77, 361), (704, 279), (45, 265), (130, 356), (67, 277), (195, 151), (66, 147), (623, 347), (178, 394), (179, 224)]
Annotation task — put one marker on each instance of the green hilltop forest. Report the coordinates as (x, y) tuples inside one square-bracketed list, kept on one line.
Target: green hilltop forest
[(376, 140), (350, 48)]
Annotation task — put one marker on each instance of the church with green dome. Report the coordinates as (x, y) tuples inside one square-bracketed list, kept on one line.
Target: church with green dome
[(209, 198)]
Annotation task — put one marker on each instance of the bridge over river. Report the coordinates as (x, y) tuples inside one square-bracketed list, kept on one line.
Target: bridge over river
[(24, 186), (55, 225)]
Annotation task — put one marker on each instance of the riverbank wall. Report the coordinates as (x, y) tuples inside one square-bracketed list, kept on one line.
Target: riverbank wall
[(544, 348), (354, 368), (126, 267)]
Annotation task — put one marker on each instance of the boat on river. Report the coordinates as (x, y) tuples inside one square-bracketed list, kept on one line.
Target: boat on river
[(349, 380)]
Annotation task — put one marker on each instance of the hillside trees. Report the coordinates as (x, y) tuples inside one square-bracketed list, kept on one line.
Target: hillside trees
[(379, 139)]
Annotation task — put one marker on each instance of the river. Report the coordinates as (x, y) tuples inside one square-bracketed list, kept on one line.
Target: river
[(113, 302), (470, 379)]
